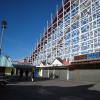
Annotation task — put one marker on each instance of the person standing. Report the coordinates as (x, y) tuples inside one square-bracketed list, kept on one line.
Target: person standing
[(32, 76), (26, 73), (21, 73), (12, 72)]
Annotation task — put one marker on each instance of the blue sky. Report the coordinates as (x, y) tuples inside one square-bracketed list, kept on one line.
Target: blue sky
[(26, 20)]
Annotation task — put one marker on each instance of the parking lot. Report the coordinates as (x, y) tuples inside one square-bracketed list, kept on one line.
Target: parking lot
[(51, 90)]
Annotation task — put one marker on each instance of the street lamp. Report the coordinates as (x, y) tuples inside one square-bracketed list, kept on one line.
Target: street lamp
[(3, 24)]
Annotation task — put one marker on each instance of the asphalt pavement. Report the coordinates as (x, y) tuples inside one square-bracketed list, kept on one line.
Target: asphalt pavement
[(50, 90)]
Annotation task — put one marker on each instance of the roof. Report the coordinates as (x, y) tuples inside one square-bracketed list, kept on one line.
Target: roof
[(5, 61), (17, 64), (60, 60), (43, 62), (23, 66)]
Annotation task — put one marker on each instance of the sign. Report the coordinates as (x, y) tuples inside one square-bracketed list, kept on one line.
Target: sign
[(80, 57), (88, 56), (93, 55)]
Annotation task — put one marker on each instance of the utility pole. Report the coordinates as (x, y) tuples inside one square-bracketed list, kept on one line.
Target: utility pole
[(3, 24)]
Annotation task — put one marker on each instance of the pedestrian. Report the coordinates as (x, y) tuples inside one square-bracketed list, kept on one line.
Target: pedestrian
[(21, 73), (12, 72), (26, 73), (32, 76)]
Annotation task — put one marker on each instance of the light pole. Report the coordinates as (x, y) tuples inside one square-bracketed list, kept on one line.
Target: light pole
[(3, 24)]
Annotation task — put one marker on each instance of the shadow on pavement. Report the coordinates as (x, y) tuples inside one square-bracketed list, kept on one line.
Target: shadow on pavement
[(17, 79), (37, 79), (37, 92)]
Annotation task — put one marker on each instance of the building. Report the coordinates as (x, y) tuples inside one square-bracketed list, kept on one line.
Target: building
[(74, 33), (5, 65)]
